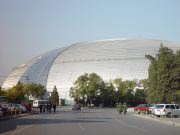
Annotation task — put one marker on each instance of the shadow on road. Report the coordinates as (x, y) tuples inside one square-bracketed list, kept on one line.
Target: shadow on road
[(12, 124)]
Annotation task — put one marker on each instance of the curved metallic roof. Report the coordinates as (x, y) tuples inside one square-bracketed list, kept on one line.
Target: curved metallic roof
[(34, 71), (108, 58)]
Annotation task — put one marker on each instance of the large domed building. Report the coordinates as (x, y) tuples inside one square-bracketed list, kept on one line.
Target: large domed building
[(110, 59)]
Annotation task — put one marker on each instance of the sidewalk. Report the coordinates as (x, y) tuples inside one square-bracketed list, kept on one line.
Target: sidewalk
[(2, 118), (170, 121)]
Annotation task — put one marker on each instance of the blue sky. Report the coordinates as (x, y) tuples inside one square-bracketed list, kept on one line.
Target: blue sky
[(31, 27)]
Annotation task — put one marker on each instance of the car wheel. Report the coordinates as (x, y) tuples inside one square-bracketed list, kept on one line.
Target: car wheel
[(169, 115)]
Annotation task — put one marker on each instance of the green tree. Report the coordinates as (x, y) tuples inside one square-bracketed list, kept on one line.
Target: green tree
[(163, 76), (120, 87), (175, 85), (2, 92), (93, 86), (140, 96), (152, 80), (17, 93), (55, 96), (107, 94), (130, 97), (86, 85), (79, 90), (35, 90), (124, 90)]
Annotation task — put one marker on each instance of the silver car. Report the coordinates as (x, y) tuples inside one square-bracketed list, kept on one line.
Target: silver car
[(169, 110)]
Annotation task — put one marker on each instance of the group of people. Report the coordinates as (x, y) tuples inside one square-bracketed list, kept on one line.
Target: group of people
[(121, 108), (47, 107)]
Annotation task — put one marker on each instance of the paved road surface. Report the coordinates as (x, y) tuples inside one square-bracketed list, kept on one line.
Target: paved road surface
[(85, 122)]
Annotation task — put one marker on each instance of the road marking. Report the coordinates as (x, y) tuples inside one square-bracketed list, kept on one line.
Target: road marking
[(126, 124), (79, 124), (20, 130)]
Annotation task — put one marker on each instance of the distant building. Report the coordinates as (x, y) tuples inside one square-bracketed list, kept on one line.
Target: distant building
[(110, 59)]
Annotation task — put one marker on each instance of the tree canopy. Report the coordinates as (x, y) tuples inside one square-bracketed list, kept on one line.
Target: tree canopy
[(16, 93), (2, 92), (54, 96), (20, 92), (86, 86), (35, 90), (94, 89), (164, 76)]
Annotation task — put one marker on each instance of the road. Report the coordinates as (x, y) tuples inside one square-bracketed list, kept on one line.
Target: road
[(85, 122)]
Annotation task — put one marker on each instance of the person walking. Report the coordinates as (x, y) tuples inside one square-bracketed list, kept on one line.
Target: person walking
[(47, 107), (120, 108), (50, 107), (54, 107), (40, 107), (44, 108), (125, 108)]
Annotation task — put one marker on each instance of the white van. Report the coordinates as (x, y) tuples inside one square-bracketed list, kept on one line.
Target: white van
[(168, 110), (37, 103)]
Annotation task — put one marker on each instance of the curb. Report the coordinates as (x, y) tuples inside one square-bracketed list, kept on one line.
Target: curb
[(159, 120), (15, 116)]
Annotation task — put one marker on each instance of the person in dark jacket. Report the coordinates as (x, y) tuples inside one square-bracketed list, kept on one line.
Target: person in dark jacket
[(54, 107), (44, 108), (50, 107), (40, 107)]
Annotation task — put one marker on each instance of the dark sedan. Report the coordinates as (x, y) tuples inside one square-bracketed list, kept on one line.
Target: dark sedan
[(76, 107)]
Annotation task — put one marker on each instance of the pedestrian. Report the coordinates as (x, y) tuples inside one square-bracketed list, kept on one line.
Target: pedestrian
[(120, 108), (44, 108), (29, 107), (40, 107), (54, 107), (125, 108), (50, 107), (47, 107)]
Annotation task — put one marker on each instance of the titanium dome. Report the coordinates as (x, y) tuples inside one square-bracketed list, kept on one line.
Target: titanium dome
[(108, 58)]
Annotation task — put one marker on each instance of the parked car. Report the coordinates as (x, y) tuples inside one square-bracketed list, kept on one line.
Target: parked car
[(90, 105), (13, 108), (22, 108), (169, 110), (142, 108), (28, 106), (76, 107), (4, 107), (152, 109)]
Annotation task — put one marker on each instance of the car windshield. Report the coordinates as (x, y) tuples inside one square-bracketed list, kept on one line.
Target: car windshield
[(141, 105), (160, 106), (147, 105)]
